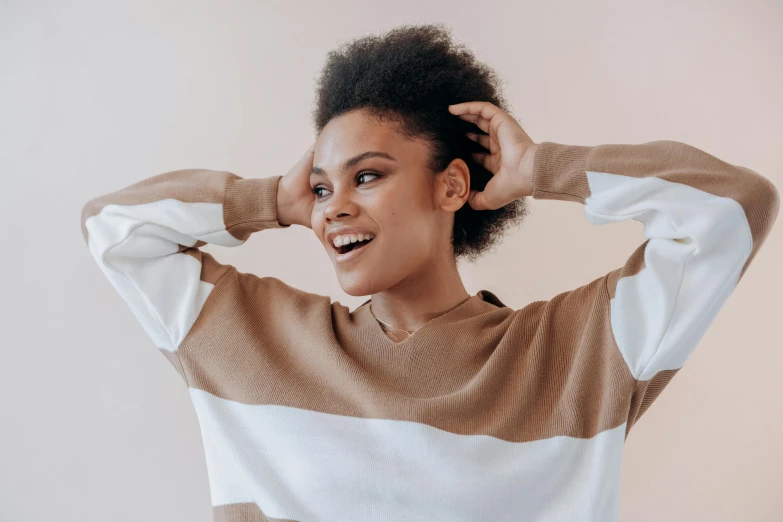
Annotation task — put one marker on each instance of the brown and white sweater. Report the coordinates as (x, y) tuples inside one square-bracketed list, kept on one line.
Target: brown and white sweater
[(308, 412)]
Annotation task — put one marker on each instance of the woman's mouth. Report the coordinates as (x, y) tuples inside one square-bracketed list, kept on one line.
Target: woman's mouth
[(351, 250)]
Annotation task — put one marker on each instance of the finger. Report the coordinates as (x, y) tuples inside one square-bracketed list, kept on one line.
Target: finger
[(482, 139), (476, 200), (482, 108), (473, 118), (478, 120), (481, 158)]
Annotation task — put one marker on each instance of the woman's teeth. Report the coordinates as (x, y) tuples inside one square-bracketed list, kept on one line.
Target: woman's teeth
[(352, 238)]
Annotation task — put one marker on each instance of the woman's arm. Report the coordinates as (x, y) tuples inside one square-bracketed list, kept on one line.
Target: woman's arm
[(704, 219), (146, 238)]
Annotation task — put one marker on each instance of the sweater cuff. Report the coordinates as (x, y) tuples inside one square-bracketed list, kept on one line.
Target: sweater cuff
[(250, 205), (559, 172)]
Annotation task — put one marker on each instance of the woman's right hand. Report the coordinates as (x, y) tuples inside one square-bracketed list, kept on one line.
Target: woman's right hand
[(295, 198)]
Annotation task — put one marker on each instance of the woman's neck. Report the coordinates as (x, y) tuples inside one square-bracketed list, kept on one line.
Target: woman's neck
[(418, 299)]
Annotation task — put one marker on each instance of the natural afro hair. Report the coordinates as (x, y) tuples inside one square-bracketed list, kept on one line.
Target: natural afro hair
[(410, 76)]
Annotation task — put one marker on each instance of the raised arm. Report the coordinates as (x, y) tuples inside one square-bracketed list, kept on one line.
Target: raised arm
[(704, 220), (146, 238)]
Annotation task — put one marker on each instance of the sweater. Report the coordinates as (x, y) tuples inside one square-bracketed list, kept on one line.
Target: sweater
[(309, 412)]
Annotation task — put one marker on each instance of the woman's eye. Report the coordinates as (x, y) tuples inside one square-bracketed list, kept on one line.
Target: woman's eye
[(317, 189), (361, 174)]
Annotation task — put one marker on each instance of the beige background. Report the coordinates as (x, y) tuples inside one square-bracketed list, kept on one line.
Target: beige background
[(96, 426)]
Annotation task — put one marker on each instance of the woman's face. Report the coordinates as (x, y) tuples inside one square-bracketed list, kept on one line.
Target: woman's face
[(388, 193)]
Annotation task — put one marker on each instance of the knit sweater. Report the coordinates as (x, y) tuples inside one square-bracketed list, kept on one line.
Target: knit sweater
[(309, 412)]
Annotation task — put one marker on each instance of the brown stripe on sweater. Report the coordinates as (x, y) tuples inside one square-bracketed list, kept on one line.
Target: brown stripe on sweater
[(243, 512), (633, 265), (549, 369), (644, 393)]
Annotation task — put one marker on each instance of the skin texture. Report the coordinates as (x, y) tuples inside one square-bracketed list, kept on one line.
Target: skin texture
[(409, 268)]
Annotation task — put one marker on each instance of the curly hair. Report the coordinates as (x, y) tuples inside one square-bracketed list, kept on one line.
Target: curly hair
[(409, 76)]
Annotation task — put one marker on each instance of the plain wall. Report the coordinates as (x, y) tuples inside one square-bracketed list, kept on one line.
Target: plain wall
[(95, 423)]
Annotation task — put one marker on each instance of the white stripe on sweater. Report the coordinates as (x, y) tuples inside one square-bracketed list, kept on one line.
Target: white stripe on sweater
[(136, 248), (307, 465), (698, 245)]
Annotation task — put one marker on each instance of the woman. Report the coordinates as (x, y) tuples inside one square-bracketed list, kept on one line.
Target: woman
[(425, 402)]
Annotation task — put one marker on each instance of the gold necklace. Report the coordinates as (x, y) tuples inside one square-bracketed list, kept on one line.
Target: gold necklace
[(408, 332)]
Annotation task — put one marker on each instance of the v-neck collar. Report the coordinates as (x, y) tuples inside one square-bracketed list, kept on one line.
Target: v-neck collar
[(483, 300), (432, 363)]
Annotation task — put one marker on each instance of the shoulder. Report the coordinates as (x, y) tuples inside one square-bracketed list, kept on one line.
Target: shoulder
[(574, 328), (267, 295), (570, 310)]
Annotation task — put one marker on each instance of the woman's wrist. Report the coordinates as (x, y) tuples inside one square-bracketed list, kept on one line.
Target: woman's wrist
[(289, 208), (525, 169), (283, 204)]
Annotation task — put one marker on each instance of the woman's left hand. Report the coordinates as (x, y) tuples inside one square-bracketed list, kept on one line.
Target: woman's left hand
[(510, 158)]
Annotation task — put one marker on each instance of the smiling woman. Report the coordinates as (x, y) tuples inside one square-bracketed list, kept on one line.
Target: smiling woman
[(369, 179), (405, 78), (426, 402)]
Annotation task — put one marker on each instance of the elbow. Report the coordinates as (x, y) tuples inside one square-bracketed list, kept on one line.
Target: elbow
[(761, 202)]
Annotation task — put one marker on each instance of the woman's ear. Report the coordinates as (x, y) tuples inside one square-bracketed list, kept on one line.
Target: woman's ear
[(453, 186)]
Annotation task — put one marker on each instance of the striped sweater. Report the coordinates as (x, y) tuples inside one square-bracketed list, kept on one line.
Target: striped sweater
[(309, 412)]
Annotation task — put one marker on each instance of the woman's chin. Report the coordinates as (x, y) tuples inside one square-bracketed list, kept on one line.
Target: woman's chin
[(358, 284), (358, 289)]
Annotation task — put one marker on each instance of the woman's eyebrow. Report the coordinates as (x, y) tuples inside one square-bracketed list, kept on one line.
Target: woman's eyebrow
[(356, 159)]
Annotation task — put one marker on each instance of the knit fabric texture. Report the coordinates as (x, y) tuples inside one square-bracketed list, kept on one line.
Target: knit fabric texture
[(309, 412)]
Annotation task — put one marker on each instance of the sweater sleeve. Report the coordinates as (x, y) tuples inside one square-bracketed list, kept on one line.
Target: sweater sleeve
[(704, 222), (145, 239)]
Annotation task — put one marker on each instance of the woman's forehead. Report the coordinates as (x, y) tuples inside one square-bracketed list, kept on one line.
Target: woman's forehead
[(355, 134)]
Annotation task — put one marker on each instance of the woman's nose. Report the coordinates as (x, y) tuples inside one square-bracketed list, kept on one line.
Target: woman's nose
[(340, 205)]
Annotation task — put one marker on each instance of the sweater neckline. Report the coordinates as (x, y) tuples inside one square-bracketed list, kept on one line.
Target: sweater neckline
[(438, 361), (483, 300)]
